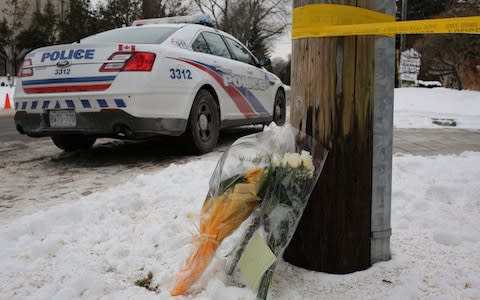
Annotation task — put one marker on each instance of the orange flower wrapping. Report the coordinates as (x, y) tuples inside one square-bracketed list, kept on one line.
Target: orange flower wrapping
[(219, 218)]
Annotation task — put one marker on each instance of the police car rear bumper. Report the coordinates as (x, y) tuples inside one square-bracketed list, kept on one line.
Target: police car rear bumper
[(117, 124)]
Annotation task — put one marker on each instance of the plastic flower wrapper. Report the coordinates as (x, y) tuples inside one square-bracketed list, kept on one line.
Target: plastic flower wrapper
[(235, 191), (247, 173), (292, 176)]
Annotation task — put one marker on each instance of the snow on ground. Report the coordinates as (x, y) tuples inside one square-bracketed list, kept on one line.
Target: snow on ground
[(101, 244), (415, 107)]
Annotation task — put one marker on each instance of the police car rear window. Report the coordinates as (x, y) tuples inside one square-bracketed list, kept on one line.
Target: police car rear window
[(134, 35)]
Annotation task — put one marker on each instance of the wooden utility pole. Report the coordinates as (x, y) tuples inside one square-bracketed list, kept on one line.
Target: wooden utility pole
[(342, 95)]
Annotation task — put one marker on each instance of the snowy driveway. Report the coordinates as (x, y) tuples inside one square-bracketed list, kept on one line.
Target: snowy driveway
[(35, 174)]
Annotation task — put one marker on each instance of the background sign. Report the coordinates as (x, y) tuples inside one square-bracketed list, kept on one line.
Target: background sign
[(410, 62)]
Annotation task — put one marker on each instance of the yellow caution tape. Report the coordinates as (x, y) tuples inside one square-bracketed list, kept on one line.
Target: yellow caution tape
[(324, 20)]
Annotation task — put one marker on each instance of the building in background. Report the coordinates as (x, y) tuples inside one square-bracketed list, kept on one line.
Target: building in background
[(38, 6), (29, 7), (18, 15)]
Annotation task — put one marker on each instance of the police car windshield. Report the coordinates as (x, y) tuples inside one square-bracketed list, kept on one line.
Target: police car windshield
[(132, 35)]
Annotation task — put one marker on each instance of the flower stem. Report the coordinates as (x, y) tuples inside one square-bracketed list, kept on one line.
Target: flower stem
[(237, 252), (265, 283)]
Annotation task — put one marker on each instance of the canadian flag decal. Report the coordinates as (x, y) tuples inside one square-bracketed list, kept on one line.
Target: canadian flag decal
[(126, 48)]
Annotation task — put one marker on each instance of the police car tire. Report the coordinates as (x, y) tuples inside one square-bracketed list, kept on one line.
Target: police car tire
[(203, 123), (69, 143), (280, 108)]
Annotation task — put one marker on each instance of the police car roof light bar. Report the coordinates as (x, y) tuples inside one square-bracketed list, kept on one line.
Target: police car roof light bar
[(201, 19)]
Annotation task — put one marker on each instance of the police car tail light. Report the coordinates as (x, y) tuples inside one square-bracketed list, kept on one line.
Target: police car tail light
[(26, 69), (140, 61), (116, 62), (131, 61)]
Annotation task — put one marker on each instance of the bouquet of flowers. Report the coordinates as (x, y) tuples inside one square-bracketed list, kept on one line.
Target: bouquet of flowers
[(235, 191), (293, 176), (269, 175)]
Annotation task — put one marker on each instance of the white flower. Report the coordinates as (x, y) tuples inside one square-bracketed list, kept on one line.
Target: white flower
[(295, 160), (291, 159), (276, 160), (307, 162)]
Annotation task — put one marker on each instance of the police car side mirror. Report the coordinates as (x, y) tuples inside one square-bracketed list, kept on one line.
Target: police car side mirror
[(264, 62)]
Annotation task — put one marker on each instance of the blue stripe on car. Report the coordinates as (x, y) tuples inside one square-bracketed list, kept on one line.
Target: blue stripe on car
[(69, 80), (86, 103), (102, 103), (120, 103), (254, 102), (70, 103)]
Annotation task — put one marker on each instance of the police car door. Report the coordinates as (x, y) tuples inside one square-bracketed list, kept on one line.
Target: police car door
[(256, 81), (236, 102)]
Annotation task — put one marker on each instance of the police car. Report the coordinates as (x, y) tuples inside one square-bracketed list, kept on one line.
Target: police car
[(157, 77)]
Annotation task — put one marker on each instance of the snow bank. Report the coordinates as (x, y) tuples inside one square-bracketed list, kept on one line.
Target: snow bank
[(102, 244), (416, 107)]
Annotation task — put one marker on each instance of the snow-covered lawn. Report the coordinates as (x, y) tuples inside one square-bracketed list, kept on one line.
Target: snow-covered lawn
[(416, 107), (101, 244)]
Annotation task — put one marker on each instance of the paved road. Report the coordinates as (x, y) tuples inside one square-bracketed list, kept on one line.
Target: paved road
[(7, 128), (8, 132), (411, 141), (35, 174), (435, 141)]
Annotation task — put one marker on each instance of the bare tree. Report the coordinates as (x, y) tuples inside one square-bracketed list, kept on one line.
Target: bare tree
[(452, 58), (79, 21), (147, 9), (42, 30), (164, 8), (10, 28), (254, 22), (119, 13), (281, 68)]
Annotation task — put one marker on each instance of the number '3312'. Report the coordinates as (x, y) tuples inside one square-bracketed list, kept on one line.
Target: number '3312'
[(180, 74), (62, 71)]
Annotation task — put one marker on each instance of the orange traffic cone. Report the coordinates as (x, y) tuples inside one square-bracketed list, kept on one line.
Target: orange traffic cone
[(7, 102)]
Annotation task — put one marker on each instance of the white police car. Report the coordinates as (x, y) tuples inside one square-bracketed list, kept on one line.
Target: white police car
[(161, 78)]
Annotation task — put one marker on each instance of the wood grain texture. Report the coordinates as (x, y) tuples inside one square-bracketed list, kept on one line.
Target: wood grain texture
[(332, 84)]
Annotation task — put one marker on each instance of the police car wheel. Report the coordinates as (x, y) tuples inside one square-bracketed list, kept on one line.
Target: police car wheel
[(204, 123), (279, 110), (72, 142)]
